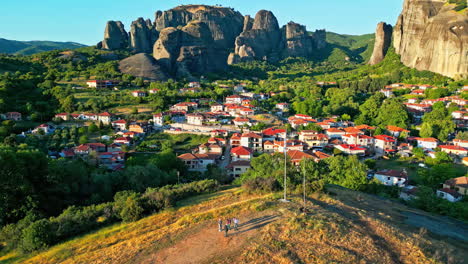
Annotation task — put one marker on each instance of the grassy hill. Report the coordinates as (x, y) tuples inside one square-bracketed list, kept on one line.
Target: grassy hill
[(340, 227), (33, 47)]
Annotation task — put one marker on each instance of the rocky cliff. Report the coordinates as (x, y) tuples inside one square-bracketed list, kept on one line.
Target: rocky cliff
[(430, 35), (115, 36), (196, 39), (383, 41)]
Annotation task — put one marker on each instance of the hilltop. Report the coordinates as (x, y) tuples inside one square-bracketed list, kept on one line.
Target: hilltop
[(33, 47), (340, 227)]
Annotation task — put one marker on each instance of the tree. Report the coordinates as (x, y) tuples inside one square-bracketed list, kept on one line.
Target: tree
[(132, 210), (347, 171), (370, 109), (83, 139), (392, 112), (462, 135), (93, 128), (426, 130), (38, 235)]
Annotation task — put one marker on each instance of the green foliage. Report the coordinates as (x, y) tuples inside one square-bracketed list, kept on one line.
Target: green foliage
[(37, 236), (392, 112), (348, 172)]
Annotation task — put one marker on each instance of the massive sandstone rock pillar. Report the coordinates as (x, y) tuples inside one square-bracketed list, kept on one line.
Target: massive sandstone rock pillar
[(430, 35), (115, 36), (383, 41)]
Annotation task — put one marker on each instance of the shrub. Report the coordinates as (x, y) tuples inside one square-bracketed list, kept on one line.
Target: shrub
[(132, 210), (37, 236), (269, 184)]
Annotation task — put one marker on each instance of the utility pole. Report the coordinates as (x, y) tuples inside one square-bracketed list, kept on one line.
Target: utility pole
[(178, 177), (304, 185), (285, 165)]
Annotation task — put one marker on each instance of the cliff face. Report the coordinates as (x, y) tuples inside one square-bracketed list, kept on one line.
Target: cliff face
[(115, 36), (430, 35), (196, 39), (383, 40)]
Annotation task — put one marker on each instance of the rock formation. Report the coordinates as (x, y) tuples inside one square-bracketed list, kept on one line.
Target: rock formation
[(319, 39), (430, 35), (297, 42), (383, 40), (142, 36), (144, 66), (115, 36), (262, 41), (196, 39)]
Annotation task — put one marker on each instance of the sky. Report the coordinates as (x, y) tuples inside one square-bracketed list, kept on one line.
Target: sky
[(83, 21)]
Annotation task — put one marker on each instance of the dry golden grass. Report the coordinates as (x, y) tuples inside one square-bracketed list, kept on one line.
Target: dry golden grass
[(348, 227)]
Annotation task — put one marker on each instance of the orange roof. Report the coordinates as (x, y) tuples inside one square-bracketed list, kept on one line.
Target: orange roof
[(451, 147), (365, 127), (396, 129), (352, 130), (297, 155), (427, 139), (335, 130), (241, 151)]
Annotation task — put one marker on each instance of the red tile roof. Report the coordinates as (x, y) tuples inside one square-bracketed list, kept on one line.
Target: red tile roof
[(241, 151)]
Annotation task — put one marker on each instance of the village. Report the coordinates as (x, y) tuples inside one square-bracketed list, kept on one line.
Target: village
[(237, 133)]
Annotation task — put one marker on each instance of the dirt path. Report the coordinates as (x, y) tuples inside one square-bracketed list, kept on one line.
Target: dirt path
[(209, 243)]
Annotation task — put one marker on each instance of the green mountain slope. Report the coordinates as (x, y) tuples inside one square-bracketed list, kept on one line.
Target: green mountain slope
[(32, 47)]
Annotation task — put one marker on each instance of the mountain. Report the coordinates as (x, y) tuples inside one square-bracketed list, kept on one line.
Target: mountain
[(433, 35), (32, 47), (343, 226)]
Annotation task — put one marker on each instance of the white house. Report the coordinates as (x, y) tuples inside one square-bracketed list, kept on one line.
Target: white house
[(392, 177), (158, 120), (119, 124), (241, 153), (237, 168), (197, 162), (139, 94), (195, 119), (450, 195), (427, 143), (234, 99)]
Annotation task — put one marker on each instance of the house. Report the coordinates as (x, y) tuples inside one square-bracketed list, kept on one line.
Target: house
[(99, 84), (86, 149), (158, 120), (195, 119), (465, 161), (235, 140), (387, 92), (15, 116), (137, 129), (244, 111), (216, 108), (237, 168), (112, 160), (385, 144), (153, 91), (282, 106), (240, 121), (359, 139), (47, 129), (130, 134), (273, 133), (408, 192), (234, 99), (392, 177), (459, 184), (139, 93), (335, 132), (396, 131), (104, 118), (351, 149), (297, 156), (241, 153), (427, 143), (210, 148), (460, 143), (219, 133), (449, 194), (194, 85), (63, 116), (268, 146), (353, 130), (123, 140), (184, 106), (252, 140), (197, 162), (290, 145), (454, 150), (219, 141), (119, 125), (313, 138), (319, 155)]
